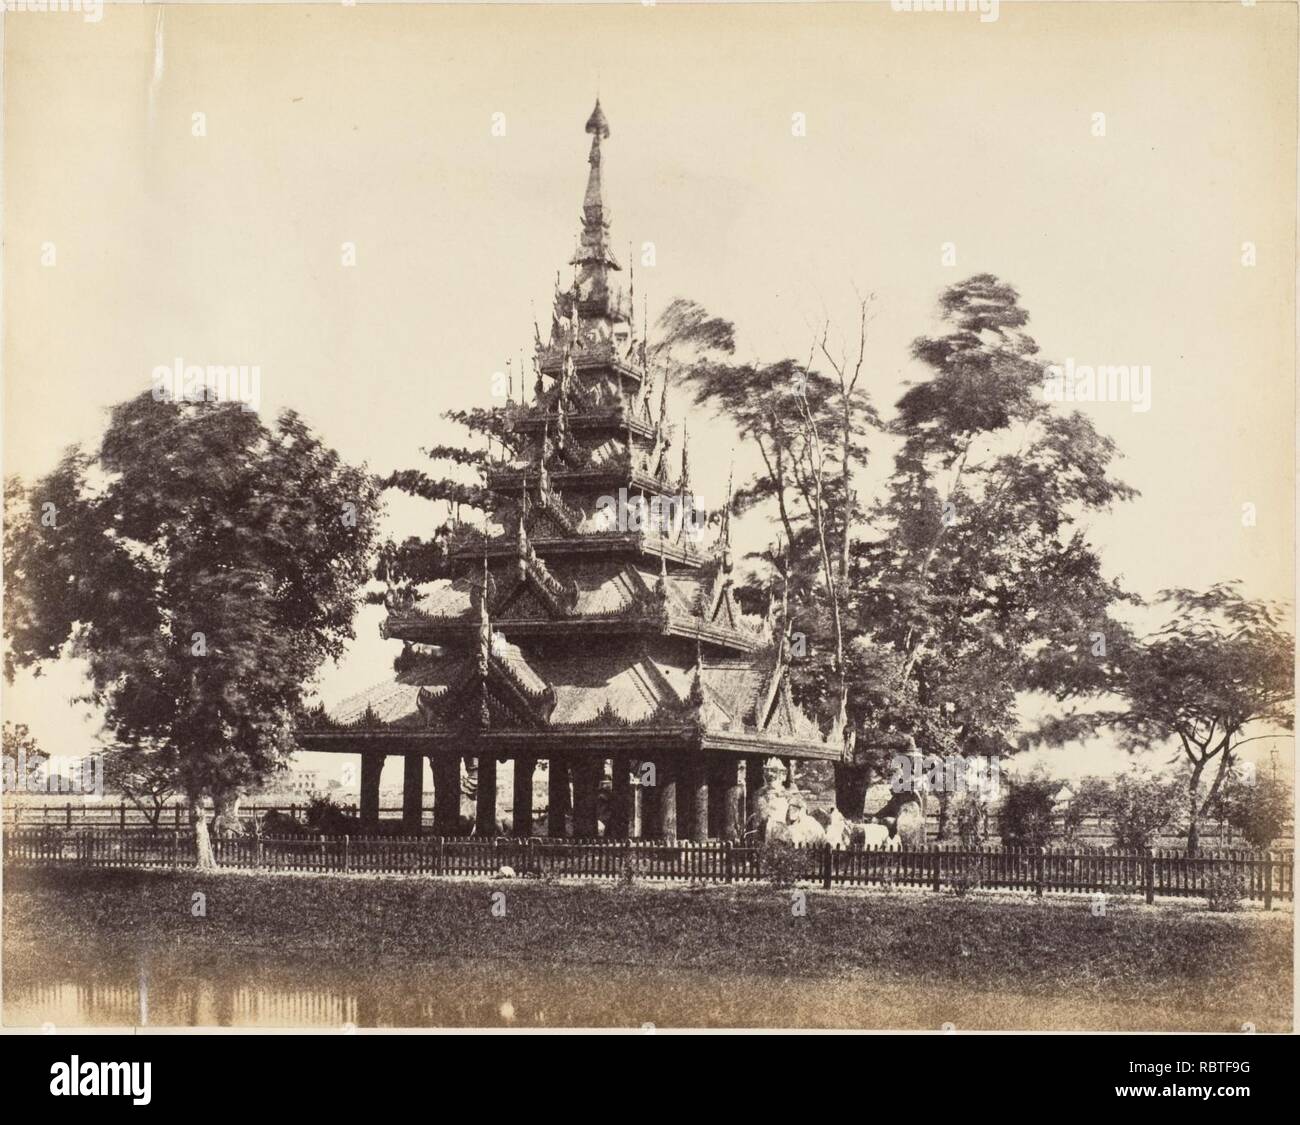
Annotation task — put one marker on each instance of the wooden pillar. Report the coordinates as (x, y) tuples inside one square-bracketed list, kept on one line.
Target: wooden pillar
[(754, 781), (485, 818), (851, 790), (715, 772), (446, 792), (372, 765), (412, 793), (695, 797), (662, 799), (622, 795), (523, 817), (587, 772), (729, 785), (557, 795)]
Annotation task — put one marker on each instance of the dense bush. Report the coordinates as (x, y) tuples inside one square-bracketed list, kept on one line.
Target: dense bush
[(1225, 890), (782, 863)]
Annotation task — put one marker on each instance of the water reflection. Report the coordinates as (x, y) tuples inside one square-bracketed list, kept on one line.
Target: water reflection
[(243, 992), (130, 988)]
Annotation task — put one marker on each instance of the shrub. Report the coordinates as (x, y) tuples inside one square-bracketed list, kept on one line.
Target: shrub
[(632, 870), (968, 877), (781, 863), (1225, 889)]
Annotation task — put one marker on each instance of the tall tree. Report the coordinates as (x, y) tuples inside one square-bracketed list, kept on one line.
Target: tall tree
[(204, 564), (978, 582), (810, 431), (1218, 674)]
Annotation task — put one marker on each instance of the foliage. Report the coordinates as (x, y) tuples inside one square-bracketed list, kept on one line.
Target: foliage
[(967, 877), (1140, 806), (204, 564), (147, 774), (17, 741), (1259, 810), (978, 582), (415, 560), (1027, 814), (1221, 664), (326, 815), (1225, 890), (782, 863)]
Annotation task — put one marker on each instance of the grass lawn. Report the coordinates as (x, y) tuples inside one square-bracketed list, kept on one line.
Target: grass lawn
[(591, 954)]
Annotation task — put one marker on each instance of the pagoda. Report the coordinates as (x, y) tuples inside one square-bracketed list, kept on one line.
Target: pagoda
[(589, 627)]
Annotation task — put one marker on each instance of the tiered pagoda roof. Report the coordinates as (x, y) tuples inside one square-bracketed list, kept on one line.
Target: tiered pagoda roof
[(586, 612)]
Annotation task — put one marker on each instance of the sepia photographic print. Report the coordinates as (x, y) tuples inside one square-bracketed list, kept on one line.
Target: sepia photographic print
[(647, 517)]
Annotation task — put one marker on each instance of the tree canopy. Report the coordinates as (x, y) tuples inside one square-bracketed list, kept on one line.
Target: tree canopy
[(204, 564)]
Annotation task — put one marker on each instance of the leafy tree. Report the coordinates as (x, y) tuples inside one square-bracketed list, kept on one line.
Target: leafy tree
[(1027, 818), (1219, 668), (978, 582), (20, 751), (205, 565), (1260, 810), (1140, 806), (972, 580), (810, 430), (147, 775)]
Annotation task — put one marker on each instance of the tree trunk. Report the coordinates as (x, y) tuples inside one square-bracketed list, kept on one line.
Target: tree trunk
[(1194, 809), (206, 860), (226, 821)]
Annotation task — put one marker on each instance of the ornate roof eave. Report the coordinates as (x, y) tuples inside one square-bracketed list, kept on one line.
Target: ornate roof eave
[(609, 417), (550, 360), (422, 629), (618, 472), (596, 542), (534, 741)]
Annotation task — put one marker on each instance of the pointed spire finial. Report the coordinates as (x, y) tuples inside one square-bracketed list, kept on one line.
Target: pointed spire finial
[(596, 123)]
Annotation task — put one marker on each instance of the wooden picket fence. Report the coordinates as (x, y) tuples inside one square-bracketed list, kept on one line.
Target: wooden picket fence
[(1161, 872)]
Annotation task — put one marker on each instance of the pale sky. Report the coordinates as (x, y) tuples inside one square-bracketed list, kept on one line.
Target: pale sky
[(327, 124)]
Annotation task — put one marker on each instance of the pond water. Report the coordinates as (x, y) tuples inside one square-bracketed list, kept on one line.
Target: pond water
[(242, 991)]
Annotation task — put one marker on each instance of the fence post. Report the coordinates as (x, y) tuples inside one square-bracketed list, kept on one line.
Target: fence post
[(437, 858), (726, 859), (68, 813), (1038, 872), (1149, 875), (176, 849), (1268, 880), (347, 853), (936, 860), (827, 866)]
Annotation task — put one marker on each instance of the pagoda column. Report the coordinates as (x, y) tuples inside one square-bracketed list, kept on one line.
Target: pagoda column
[(622, 800), (557, 794), (372, 765), (726, 820), (661, 798), (695, 797), (412, 793), (587, 773), (485, 819), (754, 781), (523, 814), (446, 793)]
